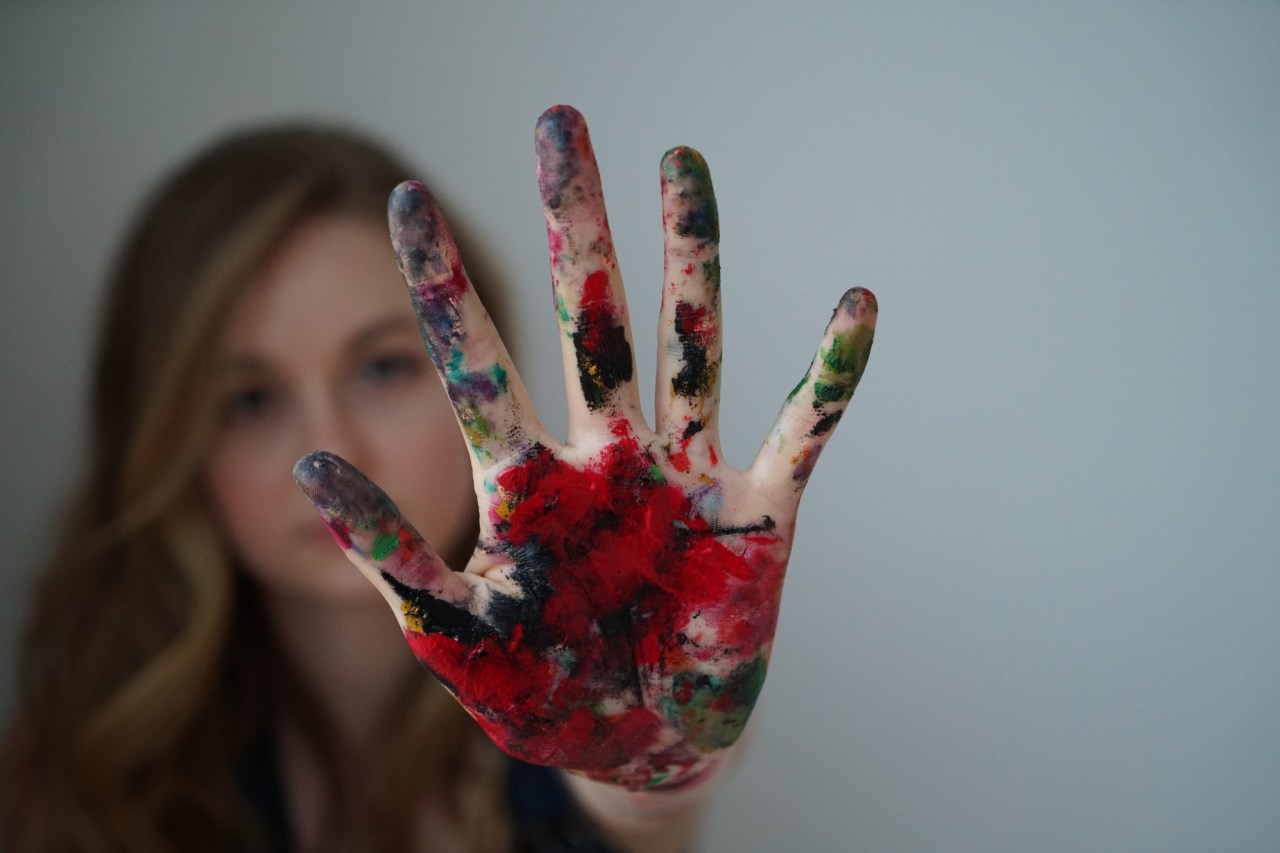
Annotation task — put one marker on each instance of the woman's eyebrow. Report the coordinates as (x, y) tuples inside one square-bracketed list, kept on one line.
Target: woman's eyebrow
[(393, 324), (251, 362), (247, 364)]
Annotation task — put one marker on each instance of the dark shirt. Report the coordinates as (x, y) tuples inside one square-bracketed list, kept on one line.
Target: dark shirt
[(544, 817)]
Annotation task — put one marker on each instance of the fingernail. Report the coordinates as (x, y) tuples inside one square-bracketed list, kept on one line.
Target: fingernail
[(561, 144), (686, 186), (347, 500), (420, 235)]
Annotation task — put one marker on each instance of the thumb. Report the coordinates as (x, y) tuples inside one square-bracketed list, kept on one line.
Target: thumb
[(426, 595)]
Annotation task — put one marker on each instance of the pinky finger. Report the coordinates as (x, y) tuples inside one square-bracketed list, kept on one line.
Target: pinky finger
[(425, 594), (816, 405)]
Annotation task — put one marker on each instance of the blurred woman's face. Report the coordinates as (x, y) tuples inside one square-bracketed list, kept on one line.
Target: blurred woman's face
[(322, 353)]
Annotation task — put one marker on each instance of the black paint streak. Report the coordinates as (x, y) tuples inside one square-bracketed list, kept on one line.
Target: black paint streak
[(694, 377), (764, 525), (604, 355), (826, 423), (440, 617)]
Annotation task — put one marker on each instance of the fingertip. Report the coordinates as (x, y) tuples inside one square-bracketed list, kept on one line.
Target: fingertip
[(420, 235), (338, 489), (559, 118), (860, 303), (323, 477), (411, 203), (563, 149), (314, 470), (856, 311), (683, 161), (555, 134), (689, 205), (407, 200)]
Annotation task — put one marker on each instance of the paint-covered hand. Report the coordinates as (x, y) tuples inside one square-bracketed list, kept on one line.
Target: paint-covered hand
[(617, 616)]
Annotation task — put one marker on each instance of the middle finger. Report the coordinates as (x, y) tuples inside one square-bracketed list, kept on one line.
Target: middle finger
[(590, 303)]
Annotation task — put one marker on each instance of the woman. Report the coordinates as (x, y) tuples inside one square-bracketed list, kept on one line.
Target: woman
[(203, 671)]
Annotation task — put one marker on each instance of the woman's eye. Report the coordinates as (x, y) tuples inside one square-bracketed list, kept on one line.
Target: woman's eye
[(249, 404), (393, 367)]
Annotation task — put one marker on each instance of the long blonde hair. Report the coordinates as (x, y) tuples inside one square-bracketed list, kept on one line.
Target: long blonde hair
[(146, 669)]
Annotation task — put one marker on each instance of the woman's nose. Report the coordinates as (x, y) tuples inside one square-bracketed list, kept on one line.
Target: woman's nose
[(332, 425)]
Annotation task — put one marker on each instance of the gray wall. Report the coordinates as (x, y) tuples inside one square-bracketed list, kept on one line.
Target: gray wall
[(1035, 601)]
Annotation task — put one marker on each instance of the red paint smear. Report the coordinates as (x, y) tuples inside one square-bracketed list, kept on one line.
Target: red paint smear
[(595, 290), (597, 317), (680, 458), (631, 563), (620, 427), (450, 289), (339, 532), (694, 323), (604, 354), (688, 270), (554, 242), (408, 542)]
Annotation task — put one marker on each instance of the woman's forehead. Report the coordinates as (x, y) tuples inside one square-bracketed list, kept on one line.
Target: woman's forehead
[(333, 283)]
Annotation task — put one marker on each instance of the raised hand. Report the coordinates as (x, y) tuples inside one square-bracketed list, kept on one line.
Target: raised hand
[(617, 615)]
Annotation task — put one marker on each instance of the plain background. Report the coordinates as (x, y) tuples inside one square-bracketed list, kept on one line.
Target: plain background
[(1035, 604)]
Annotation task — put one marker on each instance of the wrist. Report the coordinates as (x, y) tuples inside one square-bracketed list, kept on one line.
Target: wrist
[(661, 818)]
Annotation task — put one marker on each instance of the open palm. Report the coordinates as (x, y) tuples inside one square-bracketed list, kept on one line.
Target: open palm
[(617, 616)]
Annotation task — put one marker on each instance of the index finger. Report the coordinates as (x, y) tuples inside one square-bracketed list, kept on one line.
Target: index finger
[(488, 397)]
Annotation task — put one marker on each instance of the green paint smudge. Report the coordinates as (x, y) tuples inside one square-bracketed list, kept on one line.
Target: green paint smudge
[(454, 365), (833, 392), (477, 429), (711, 272), (848, 352), (499, 374), (657, 780), (714, 711), (843, 363), (384, 546)]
